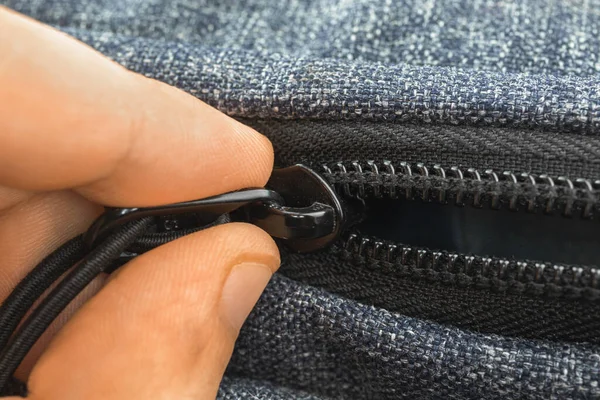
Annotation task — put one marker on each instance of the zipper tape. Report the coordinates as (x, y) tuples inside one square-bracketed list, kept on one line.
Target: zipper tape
[(515, 192), (577, 198), (517, 276)]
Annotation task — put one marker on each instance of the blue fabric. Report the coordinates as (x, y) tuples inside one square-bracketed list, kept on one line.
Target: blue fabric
[(308, 339), (474, 70), (524, 63)]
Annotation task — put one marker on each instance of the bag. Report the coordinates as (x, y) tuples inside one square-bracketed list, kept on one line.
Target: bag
[(458, 140)]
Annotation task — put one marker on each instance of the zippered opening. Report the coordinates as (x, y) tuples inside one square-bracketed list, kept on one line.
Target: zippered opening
[(523, 227)]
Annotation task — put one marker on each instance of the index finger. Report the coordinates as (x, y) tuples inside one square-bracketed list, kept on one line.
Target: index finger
[(71, 118)]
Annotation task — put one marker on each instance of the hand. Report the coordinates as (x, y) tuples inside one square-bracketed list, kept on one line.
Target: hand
[(78, 131)]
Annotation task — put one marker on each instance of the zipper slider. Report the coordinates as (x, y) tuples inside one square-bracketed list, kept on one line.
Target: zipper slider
[(312, 215), (297, 205)]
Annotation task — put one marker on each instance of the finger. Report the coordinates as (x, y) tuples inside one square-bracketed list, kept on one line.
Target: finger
[(34, 228), (40, 345), (72, 118), (10, 197), (165, 325)]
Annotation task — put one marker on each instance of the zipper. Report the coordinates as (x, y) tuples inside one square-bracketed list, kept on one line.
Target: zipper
[(417, 218), (562, 205), (468, 187), (309, 212), (473, 270)]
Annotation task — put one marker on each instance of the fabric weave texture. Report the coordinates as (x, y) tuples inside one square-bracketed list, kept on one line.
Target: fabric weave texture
[(508, 85)]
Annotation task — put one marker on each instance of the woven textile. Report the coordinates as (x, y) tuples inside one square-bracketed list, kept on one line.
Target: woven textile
[(509, 85)]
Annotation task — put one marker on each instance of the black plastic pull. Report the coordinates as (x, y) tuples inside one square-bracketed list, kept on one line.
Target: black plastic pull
[(208, 209), (297, 206)]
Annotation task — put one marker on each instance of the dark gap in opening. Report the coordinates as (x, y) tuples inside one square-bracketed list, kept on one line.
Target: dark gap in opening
[(484, 232)]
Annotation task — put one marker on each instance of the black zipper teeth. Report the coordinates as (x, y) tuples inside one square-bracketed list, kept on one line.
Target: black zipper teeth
[(457, 265), (468, 187)]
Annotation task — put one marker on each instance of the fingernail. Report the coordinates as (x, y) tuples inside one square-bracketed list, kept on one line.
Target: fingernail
[(243, 287)]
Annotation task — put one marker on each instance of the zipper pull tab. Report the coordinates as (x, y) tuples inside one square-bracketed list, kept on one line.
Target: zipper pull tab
[(297, 206), (187, 214)]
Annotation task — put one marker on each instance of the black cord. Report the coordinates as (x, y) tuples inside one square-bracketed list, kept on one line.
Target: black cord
[(32, 287), (14, 387), (145, 243), (149, 241), (91, 266), (106, 257), (15, 306)]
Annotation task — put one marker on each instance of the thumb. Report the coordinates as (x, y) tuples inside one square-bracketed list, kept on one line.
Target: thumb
[(164, 326)]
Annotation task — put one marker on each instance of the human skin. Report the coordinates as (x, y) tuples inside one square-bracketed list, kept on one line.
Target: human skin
[(78, 132)]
